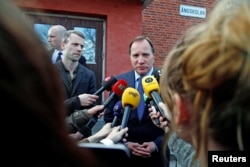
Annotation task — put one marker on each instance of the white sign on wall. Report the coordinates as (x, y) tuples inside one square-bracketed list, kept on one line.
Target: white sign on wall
[(192, 11)]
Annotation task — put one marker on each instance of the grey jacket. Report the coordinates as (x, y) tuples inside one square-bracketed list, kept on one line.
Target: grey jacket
[(183, 151)]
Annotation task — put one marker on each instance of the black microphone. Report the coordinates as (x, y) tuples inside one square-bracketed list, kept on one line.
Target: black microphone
[(130, 101), (118, 110), (117, 90), (152, 90), (154, 108), (157, 73), (106, 85)]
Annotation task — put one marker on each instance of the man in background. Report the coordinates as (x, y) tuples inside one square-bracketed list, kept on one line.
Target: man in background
[(55, 36), (79, 82)]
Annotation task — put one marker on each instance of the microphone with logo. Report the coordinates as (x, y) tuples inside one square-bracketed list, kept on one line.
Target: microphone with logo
[(117, 90), (156, 73), (152, 90), (118, 111), (106, 85), (130, 101)]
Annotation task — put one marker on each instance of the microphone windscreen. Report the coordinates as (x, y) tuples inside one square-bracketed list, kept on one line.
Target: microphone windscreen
[(117, 108), (108, 82), (149, 84), (119, 87), (130, 97)]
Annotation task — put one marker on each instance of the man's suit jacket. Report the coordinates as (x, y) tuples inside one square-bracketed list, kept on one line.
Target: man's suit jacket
[(139, 131), (85, 82)]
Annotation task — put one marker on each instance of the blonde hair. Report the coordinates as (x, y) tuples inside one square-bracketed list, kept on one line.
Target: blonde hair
[(216, 71)]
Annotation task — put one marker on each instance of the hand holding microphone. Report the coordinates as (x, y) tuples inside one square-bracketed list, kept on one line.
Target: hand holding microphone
[(153, 110), (152, 90), (88, 99), (130, 101), (117, 90)]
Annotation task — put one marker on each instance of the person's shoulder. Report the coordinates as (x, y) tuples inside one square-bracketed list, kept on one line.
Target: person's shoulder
[(85, 69), (59, 65), (82, 61), (121, 75), (51, 51)]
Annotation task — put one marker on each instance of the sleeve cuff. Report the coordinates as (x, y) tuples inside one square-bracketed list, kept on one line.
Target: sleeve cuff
[(156, 148), (107, 142)]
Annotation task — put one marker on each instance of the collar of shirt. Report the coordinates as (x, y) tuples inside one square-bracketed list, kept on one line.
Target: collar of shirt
[(137, 76), (55, 54)]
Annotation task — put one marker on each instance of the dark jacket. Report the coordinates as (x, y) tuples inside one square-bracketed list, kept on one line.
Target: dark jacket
[(85, 82)]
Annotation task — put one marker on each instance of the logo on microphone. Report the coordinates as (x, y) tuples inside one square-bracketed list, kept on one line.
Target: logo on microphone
[(148, 79), (133, 93), (107, 78), (122, 87)]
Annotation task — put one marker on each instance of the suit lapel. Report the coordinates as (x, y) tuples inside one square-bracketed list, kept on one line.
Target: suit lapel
[(63, 75), (79, 75)]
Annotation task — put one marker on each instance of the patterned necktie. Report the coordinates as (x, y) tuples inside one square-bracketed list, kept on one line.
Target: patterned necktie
[(59, 56), (141, 106)]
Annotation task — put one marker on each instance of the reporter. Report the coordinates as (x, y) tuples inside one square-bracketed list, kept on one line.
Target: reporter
[(215, 78), (179, 141)]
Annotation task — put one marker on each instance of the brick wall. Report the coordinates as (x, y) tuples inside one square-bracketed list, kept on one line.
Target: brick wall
[(162, 23), (123, 23)]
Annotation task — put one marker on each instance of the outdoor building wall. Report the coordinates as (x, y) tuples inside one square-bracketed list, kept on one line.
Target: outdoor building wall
[(125, 19), (162, 23), (123, 22)]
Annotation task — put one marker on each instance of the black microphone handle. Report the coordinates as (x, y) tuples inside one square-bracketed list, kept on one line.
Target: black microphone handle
[(106, 103), (92, 122), (157, 99), (155, 109), (125, 117), (94, 118), (99, 91), (114, 122), (86, 129)]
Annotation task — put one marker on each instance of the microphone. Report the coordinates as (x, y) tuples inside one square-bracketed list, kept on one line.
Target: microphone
[(154, 108), (130, 100), (106, 85), (152, 90), (117, 90), (157, 73), (117, 112)]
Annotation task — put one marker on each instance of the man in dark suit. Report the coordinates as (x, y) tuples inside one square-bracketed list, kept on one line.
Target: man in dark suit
[(55, 36), (144, 138), (79, 82)]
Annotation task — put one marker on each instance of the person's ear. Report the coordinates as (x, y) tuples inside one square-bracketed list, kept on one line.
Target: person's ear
[(182, 109), (62, 45)]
